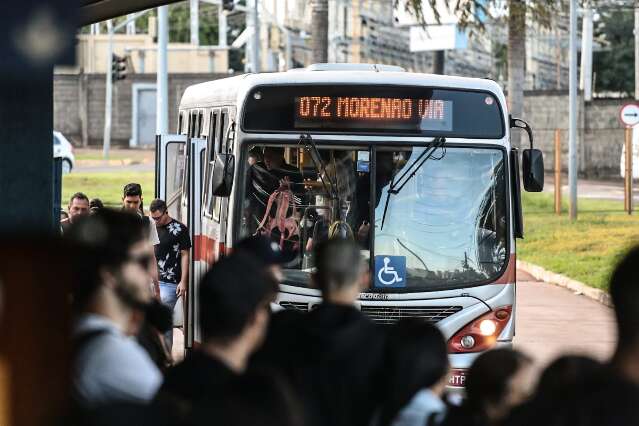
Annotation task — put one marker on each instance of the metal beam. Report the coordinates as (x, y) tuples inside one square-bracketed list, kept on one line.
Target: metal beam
[(100, 10)]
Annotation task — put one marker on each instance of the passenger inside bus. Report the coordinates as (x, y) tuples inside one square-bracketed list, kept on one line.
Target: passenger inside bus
[(297, 207)]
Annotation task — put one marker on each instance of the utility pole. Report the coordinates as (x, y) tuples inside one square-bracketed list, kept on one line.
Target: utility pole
[(636, 49), (585, 82), (221, 27), (162, 94), (106, 141), (255, 59), (130, 26), (195, 22), (572, 113)]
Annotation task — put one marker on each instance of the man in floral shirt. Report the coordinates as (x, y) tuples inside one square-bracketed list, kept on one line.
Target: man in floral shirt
[(172, 255)]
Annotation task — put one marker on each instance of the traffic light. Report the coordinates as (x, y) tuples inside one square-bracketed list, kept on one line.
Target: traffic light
[(228, 5), (118, 67)]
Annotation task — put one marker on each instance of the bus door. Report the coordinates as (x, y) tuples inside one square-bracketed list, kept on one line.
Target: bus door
[(191, 207)]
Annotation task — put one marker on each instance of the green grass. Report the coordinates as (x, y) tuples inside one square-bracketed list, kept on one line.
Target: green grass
[(106, 186), (585, 250)]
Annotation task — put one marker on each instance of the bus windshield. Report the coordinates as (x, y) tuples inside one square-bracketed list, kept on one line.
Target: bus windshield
[(423, 226)]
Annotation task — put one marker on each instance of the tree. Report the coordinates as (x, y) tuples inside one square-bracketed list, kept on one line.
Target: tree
[(473, 14), (319, 28), (614, 65), (180, 23)]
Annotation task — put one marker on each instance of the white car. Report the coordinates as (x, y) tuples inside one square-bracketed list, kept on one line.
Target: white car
[(62, 148)]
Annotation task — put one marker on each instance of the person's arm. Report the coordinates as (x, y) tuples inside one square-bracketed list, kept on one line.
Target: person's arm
[(154, 240), (154, 274), (184, 282)]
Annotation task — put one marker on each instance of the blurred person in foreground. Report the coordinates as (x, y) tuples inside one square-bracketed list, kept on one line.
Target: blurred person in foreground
[(255, 398), (333, 355), (172, 254), (624, 290), (416, 369), (234, 298), (566, 379), (112, 289), (579, 391), (78, 207), (498, 381), (267, 252)]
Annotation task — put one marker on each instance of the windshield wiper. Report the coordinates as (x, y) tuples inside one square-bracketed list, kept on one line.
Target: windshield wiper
[(397, 185), (311, 148)]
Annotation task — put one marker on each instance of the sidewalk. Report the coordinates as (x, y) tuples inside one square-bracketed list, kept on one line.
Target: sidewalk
[(592, 188)]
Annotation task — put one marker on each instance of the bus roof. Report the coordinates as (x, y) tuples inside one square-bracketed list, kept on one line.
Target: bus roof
[(228, 91)]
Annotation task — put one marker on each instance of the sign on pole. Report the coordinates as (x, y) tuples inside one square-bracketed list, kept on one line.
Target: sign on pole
[(629, 115)]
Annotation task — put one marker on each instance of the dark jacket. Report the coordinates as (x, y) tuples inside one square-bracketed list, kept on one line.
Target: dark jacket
[(198, 378), (333, 357)]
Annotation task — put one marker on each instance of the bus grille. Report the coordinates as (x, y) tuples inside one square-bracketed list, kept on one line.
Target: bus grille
[(392, 314), (296, 306)]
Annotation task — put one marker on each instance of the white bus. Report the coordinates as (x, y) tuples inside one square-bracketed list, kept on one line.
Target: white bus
[(417, 168)]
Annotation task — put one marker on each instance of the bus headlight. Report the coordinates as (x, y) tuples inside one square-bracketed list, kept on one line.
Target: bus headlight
[(487, 327)]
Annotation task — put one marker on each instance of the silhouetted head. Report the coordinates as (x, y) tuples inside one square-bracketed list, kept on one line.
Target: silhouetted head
[(416, 359), (624, 290)]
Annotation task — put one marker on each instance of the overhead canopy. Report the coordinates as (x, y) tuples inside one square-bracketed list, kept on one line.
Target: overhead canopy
[(92, 11)]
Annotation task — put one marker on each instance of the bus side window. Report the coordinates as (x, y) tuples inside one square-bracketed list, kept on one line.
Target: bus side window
[(192, 124), (212, 145), (225, 123), (213, 204), (180, 123), (200, 124)]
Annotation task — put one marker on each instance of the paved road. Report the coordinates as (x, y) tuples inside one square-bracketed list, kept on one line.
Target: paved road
[(552, 320)]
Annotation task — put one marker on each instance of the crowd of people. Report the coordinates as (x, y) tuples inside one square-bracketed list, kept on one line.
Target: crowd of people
[(331, 366)]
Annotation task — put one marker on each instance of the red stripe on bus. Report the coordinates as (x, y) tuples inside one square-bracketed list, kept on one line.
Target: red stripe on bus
[(206, 249)]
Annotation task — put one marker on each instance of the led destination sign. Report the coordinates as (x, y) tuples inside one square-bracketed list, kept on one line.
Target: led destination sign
[(373, 109), (356, 111)]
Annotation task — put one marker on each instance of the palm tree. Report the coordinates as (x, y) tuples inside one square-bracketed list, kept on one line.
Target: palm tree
[(319, 28)]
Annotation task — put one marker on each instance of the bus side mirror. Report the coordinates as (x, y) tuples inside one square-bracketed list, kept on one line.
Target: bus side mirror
[(222, 176), (533, 169)]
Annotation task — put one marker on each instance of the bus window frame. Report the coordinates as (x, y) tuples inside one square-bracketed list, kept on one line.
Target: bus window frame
[(503, 121), (373, 147), (180, 123), (200, 124), (169, 200), (212, 207)]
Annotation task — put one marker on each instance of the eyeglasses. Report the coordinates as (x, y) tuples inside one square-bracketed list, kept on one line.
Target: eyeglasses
[(157, 218), (143, 260)]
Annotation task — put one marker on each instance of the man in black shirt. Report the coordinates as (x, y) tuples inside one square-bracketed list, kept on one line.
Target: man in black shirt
[(172, 254), (234, 297), (332, 355)]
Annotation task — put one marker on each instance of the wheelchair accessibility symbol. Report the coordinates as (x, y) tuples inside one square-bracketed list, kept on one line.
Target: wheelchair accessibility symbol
[(390, 271)]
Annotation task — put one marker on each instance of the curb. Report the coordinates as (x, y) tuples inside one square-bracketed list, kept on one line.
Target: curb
[(562, 281)]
